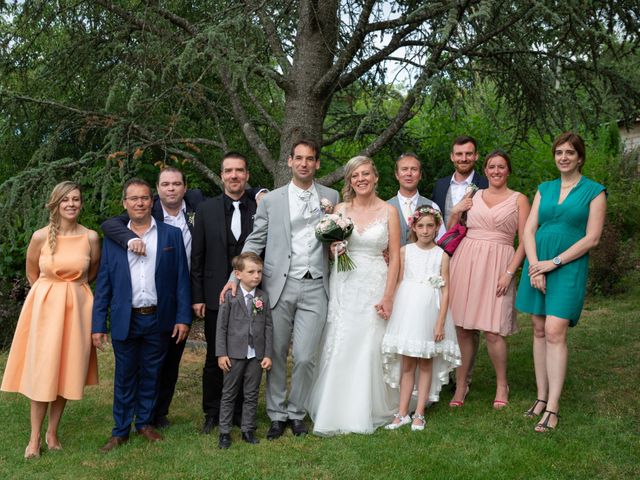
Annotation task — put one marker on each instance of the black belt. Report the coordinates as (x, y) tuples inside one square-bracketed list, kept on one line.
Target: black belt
[(308, 276), (145, 310)]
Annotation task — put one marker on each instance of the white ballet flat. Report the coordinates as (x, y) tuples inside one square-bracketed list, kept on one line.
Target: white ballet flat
[(418, 428), (403, 421)]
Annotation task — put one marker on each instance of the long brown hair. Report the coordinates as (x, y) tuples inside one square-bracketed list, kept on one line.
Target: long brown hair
[(60, 191)]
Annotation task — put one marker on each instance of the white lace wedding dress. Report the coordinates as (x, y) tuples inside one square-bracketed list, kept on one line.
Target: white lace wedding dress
[(349, 393)]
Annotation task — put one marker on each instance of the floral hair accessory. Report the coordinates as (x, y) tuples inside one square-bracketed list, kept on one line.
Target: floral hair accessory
[(422, 211)]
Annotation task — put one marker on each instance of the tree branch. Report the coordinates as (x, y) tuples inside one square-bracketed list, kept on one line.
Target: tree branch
[(258, 104), (325, 83), (248, 129), (133, 20), (271, 33)]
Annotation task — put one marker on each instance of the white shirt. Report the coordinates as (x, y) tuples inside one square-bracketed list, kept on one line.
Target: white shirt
[(458, 188), (306, 250), (180, 221), (251, 352), (143, 269), (414, 203)]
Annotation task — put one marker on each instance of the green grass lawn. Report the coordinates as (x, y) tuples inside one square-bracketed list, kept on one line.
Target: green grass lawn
[(598, 435)]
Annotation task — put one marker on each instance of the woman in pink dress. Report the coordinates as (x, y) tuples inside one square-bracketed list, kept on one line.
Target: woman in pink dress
[(482, 268)]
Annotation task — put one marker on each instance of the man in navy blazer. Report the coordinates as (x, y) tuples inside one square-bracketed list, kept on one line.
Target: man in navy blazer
[(449, 190), (146, 298), (176, 205)]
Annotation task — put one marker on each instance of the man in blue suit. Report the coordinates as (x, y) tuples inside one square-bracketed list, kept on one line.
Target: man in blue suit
[(449, 190), (146, 297)]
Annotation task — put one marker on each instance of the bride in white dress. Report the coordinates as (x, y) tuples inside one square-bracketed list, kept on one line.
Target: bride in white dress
[(349, 393)]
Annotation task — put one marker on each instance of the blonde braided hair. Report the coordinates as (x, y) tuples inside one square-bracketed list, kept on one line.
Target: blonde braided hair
[(60, 191)]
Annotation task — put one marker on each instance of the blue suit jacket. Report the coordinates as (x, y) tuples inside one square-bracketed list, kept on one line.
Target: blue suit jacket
[(113, 287), (442, 187)]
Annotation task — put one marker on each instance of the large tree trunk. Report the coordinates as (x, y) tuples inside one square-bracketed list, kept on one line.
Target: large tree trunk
[(304, 110)]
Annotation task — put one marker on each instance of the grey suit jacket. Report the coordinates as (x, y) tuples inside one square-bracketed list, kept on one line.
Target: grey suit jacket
[(232, 329), (271, 235), (404, 227)]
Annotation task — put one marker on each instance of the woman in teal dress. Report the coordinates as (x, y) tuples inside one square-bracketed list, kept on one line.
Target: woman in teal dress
[(565, 222)]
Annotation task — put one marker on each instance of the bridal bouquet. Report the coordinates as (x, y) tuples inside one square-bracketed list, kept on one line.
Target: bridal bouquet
[(335, 227)]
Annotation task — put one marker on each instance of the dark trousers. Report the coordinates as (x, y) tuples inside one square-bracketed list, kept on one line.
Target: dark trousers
[(212, 375), (169, 376), (244, 375), (135, 383)]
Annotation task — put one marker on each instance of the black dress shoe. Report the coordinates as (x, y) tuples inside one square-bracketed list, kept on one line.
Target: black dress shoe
[(224, 441), (276, 430), (298, 427), (161, 422), (209, 424), (249, 437)]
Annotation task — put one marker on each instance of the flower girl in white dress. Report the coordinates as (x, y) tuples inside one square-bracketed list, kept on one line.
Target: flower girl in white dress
[(420, 346)]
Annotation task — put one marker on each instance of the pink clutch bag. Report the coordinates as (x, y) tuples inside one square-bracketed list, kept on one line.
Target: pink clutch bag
[(452, 238)]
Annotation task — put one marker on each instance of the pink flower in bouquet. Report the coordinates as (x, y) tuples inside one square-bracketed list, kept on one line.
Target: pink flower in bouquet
[(326, 206), (334, 227)]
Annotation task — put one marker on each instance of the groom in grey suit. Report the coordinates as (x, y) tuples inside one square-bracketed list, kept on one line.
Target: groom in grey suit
[(296, 278), (408, 172)]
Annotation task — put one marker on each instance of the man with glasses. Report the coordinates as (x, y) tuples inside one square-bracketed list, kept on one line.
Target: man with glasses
[(148, 301), (174, 205)]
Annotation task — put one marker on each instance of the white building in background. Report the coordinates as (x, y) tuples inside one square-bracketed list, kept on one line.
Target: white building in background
[(630, 136)]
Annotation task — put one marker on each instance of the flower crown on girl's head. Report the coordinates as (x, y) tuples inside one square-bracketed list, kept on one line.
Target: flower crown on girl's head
[(423, 211)]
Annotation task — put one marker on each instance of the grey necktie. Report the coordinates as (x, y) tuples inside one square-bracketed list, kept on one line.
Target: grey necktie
[(236, 227), (305, 196), (248, 298)]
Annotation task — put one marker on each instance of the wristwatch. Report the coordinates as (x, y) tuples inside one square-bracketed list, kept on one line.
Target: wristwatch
[(557, 261)]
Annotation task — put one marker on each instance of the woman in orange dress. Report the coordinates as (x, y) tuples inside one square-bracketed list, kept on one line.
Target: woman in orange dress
[(482, 291), (52, 357)]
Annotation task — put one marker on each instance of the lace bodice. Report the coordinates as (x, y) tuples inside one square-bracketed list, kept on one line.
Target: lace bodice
[(419, 264)]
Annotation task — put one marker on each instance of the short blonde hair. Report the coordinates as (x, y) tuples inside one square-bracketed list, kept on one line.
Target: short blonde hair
[(348, 193)]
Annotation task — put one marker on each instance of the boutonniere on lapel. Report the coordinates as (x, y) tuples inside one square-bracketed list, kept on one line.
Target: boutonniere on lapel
[(258, 305), (326, 206), (191, 218)]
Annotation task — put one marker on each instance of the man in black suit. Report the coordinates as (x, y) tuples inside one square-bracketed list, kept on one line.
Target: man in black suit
[(221, 228), (176, 206), (448, 191)]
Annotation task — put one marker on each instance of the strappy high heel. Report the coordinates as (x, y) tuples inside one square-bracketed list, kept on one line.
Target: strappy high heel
[(532, 411), (544, 426)]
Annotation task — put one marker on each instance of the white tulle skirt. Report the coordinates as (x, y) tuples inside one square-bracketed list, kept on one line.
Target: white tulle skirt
[(411, 332)]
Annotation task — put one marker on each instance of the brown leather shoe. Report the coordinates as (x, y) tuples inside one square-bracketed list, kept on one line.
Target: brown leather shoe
[(150, 433), (113, 442)]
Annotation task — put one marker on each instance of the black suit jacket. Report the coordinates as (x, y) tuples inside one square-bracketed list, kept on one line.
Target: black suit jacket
[(116, 229), (209, 254), (442, 187)]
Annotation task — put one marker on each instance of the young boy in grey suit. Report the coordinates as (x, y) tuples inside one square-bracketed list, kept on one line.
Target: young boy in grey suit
[(244, 345)]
